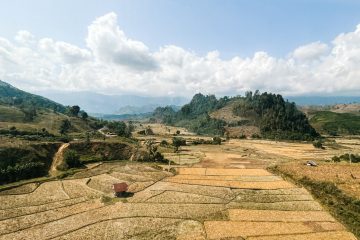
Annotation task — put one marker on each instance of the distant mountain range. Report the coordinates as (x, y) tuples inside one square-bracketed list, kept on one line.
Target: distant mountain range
[(112, 104), (323, 100)]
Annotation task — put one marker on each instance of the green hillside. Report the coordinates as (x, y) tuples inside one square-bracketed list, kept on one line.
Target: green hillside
[(333, 123), (195, 115), (270, 113), (13, 96), (30, 114)]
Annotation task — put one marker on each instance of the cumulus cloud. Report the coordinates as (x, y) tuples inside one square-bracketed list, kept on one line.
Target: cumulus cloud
[(312, 51), (110, 44), (116, 64)]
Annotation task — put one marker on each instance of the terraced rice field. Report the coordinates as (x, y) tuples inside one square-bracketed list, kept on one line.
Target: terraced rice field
[(198, 203)]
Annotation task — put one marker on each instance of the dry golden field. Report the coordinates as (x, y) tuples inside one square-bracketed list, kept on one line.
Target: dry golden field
[(218, 192)]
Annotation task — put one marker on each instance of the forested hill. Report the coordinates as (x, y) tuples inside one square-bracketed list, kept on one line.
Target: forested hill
[(10, 95), (195, 115), (270, 113)]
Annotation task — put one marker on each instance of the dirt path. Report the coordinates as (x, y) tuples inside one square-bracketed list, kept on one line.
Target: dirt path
[(58, 158)]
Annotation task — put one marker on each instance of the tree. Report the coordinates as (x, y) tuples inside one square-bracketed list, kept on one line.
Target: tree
[(65, 126), (30, 113), (72, 158), (216, 140), (87, 138), (178, 141), (74, 110), (318, 144), (84, 115)]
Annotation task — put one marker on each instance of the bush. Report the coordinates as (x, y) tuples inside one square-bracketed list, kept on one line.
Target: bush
[(164, 143), (242, 136), (216, 141), (72, 158), (255, 136), (318, 144), (347, 157), (177, 142), (336, 159)]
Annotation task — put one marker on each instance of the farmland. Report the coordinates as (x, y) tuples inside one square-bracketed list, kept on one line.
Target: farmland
[(218, 191)]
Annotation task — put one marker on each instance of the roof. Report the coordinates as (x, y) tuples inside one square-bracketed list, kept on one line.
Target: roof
[(120, 187)]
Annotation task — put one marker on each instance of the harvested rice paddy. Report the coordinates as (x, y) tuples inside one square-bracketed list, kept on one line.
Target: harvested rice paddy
[(225, 194)]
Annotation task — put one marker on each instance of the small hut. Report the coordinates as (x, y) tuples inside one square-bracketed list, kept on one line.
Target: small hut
[(120, 189)]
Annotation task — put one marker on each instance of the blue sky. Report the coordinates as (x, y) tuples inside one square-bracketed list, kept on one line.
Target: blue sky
[(155, 48), (234, 27)]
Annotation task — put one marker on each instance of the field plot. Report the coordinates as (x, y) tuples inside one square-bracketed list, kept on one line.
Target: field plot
[(199, 202)]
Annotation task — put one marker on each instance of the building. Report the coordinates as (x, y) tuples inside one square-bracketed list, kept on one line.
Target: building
[(120, 189)]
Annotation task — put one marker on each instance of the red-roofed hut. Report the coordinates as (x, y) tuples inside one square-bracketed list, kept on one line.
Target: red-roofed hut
[(120, 189)]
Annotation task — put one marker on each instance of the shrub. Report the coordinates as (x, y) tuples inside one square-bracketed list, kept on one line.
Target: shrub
[(318, 144), (178, 141), (164, 143), (72, 158), (347, 157), (336, 159), (216, 141), (255, 136)]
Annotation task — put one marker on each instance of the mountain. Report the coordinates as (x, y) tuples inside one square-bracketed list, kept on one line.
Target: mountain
[(266, 114), (12, 96), (111, 104), (323, 100), (30, 113)]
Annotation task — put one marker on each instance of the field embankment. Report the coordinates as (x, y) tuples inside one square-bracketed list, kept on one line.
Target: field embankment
[(335, 186)]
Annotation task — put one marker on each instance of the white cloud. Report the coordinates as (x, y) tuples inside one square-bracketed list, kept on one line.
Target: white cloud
[(110, 44), (113, 63), (25, 37), (312, 51)]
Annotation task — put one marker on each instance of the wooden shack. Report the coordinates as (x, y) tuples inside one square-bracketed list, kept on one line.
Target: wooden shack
[(120, 189)]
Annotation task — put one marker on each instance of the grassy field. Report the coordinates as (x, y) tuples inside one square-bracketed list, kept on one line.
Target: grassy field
[(13, 117), (332, 123)]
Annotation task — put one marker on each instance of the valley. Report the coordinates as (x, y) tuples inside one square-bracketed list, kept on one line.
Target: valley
[(228, 168), (212, 192)]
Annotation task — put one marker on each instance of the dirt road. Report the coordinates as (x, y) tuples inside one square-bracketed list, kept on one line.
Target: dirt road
[(58, 158)]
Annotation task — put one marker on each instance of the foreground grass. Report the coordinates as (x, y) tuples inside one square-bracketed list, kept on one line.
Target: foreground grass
[(342, 206)]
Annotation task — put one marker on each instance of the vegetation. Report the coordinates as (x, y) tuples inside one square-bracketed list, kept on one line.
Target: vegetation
[(216, 140), (336, 123), (195, 115), (276, 118), (178, 142), (25, 161), (347, 157), (343, 206), (72, 158), (12, 96), (154, 155), (120, 128), (318, 144)]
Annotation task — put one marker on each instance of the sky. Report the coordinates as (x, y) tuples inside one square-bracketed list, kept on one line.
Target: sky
[(178, 48)]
